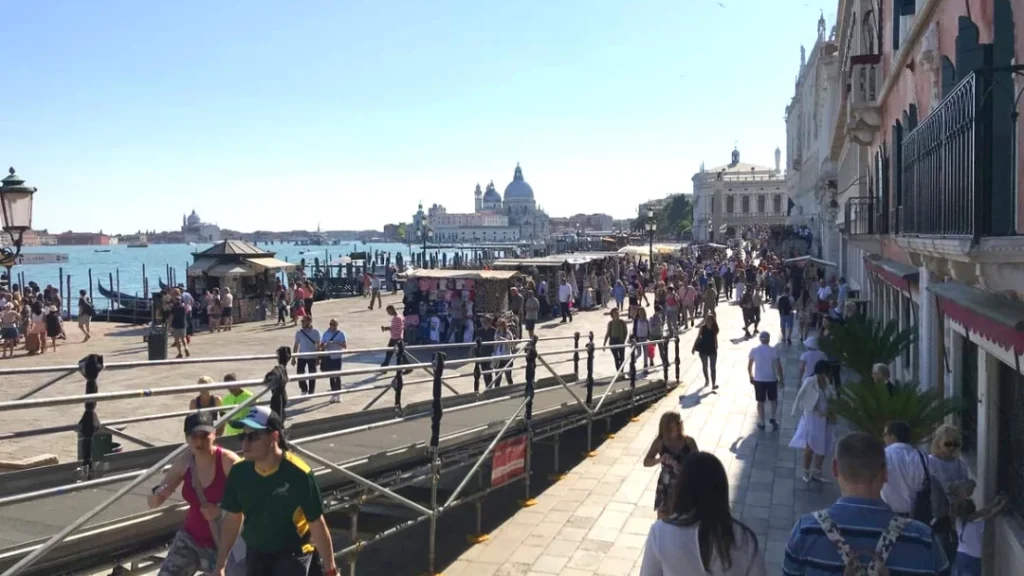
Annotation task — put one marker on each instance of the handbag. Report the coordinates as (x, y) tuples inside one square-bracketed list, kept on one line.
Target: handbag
[(238, 549), (922, 511)]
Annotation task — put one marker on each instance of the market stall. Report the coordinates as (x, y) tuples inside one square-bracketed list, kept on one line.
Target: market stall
[(444, 305)]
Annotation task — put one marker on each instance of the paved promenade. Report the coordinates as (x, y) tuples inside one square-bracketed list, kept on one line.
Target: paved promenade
[(595, 521)]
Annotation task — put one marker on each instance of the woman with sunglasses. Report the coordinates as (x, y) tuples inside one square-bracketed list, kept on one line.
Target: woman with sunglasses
[(205, 466), (948, 469)]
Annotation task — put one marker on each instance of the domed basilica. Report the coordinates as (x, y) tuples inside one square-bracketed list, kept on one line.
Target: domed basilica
[(512, 218)]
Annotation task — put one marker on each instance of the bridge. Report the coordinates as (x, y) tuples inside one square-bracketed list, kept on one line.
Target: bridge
[(384, 468)]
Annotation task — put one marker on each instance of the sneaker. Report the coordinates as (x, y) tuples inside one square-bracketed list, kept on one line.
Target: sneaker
[(817, 477), (775, 424), (760, 426), (713, 386), (807, 477)]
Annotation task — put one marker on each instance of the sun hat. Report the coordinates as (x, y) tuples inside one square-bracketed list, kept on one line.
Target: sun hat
[(811, 342)]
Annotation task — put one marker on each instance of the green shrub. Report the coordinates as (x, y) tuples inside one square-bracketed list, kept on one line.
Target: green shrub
[(863, 342), (868, 406)]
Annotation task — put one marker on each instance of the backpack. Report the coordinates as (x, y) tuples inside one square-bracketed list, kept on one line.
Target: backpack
[(86, 308), (785, 305), (853, 567)]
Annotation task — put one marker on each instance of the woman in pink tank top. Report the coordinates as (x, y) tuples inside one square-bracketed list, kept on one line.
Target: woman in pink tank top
[(194, 548)]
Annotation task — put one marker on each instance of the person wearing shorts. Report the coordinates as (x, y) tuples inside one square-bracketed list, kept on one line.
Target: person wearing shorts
[(764, 366)]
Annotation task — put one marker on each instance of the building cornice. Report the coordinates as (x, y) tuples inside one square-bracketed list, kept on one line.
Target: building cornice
[(917, 29)]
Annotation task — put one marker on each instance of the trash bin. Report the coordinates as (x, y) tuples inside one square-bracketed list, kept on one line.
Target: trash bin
[(157, 343)]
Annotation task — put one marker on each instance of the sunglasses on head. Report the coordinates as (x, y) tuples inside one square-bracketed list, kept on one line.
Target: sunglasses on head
[(251, 436), (953, 444)]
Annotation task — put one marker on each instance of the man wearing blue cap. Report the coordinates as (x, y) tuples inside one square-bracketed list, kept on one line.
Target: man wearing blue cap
[(277, 496)]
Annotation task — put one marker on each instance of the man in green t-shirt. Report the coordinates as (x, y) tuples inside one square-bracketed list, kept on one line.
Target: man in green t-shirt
[(235, 396), (277, 496)]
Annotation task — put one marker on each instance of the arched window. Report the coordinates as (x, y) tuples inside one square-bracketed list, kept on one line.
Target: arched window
[(777, 204), (746, 205), (760, 204), (730, 204)]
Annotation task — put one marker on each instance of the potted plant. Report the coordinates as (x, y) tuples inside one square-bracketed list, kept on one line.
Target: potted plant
[(861, 342), (868, 406)]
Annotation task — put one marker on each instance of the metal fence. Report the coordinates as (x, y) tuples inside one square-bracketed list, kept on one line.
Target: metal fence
[(273, 384)]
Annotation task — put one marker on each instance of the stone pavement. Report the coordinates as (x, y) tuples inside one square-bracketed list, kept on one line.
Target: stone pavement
[(124, 343), (596, 520)]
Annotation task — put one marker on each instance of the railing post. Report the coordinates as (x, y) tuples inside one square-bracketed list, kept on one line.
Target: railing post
[(399, 376), (663, 352), (576, 355), (590, 371), (632, 362), (531, 376), (478, 347), (435, 464), (279, 395), (90, 367), (676, 340)]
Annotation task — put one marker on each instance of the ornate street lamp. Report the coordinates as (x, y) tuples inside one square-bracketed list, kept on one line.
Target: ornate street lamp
[(425, 234), (652, 227), (16, 207)]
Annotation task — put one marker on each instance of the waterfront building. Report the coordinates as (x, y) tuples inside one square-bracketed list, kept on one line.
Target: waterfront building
[(70, 238), (195, 230), (931, 215), (511, 218), (729, 198), (30, 238), (811, 173)]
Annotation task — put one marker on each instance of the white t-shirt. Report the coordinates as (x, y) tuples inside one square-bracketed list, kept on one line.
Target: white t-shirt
[(810, 359), (972, 537), (764, 357), (824, 293), (673, 550), (564, 292), (227, 299)]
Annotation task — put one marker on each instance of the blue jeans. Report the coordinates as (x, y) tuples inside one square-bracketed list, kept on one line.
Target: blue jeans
[(786, 322), (967, 565)]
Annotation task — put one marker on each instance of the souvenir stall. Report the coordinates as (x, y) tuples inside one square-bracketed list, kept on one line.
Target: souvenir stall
[(805, 269), (444, 305)]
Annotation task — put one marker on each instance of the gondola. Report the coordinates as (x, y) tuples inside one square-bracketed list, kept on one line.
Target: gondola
[(125, 300)]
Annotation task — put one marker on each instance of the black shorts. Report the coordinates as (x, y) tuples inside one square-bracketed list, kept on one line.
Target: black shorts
[(766, 390)]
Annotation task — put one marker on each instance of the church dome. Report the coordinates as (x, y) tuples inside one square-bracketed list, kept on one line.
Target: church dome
[(518, 189), (193, 219), (491, 195)]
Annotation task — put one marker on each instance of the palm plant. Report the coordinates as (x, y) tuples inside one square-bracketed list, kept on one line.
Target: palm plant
[(868, 406), (862, 342)]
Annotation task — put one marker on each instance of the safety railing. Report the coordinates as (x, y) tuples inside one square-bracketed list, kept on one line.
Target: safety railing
[(275, 381)]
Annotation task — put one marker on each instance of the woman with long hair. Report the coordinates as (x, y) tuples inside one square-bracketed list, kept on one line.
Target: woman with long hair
[(202, 473), (706, 344), (701, 536), (669, 449)]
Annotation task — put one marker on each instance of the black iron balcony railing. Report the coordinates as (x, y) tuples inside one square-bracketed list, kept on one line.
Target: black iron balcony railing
[(944, 168)]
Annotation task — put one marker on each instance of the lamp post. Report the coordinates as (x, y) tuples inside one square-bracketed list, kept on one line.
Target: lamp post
[(652, 227), (16, 208), (833, 213), (425, 234)]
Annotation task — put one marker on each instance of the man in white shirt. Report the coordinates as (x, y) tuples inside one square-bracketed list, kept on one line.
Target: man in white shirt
[(564, 295), (905, 469), (375, 291), (764, 366)]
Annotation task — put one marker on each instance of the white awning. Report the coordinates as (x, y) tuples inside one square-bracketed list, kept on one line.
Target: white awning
[(268, 263), (231, 269)]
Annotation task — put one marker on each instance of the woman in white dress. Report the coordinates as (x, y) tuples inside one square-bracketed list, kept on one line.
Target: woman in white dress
[(816, 430)]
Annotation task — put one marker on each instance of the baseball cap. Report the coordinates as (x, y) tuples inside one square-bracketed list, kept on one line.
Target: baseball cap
[(765, 336), (199, 422), (259, 418)]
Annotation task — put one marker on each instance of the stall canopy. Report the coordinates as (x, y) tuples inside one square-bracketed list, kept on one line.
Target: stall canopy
[(658, 249), (805, 260), (269, 263), (464, 274), (230, 269), (200, 266)]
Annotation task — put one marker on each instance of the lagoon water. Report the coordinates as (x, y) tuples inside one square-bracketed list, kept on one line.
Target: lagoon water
[(129, 262)]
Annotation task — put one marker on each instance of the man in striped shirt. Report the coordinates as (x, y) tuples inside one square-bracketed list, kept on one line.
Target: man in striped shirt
[(860, 519), (396, 331)]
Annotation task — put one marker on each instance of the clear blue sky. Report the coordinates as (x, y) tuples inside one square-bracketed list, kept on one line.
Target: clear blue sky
[(263, 114)]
